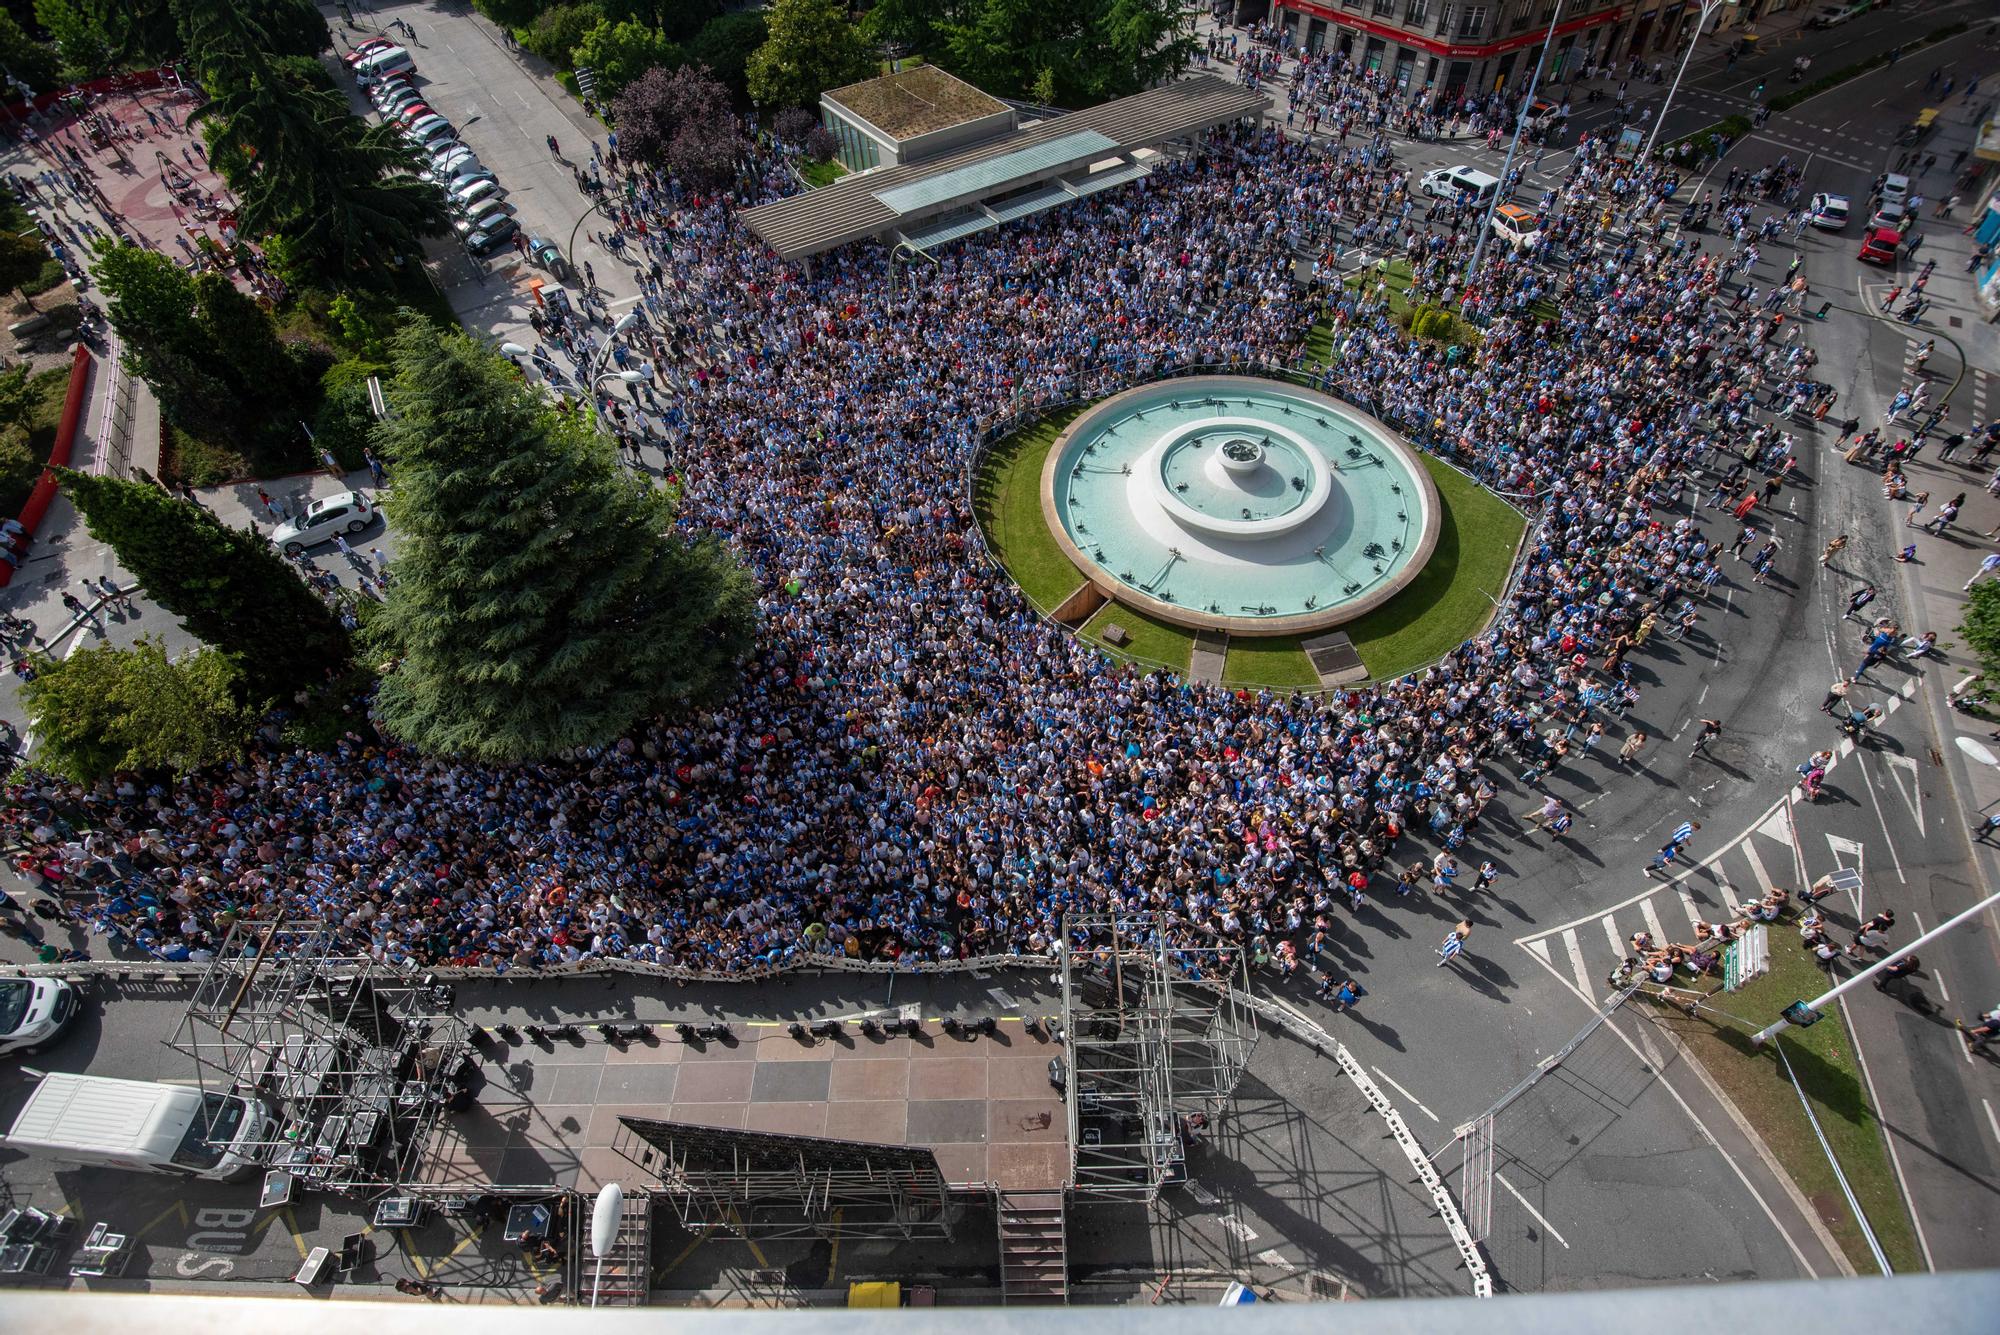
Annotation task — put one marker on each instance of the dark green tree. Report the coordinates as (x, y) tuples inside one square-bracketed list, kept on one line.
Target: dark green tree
[(228, 586), (555, 33), (543, 600), (812, 47), (1981, 626), (681, 120), (34, 63), (725, 46), (211, 354), (105, 709), (79, 35)]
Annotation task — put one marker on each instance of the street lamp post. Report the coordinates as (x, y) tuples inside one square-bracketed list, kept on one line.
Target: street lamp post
[(604, 1218), (1708, 8), (1514, 144), (1765, 1034)]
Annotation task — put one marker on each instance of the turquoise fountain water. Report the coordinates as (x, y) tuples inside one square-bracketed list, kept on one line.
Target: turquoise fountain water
[(1239, 503)]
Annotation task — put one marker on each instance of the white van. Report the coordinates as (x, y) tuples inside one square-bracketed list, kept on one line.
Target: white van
[(1467, 183), (33, 1011), (396, 60), (142, 1126)]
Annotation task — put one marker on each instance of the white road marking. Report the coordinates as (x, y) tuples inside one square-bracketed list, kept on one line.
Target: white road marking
[(1914, 793), (1992, 1123), (1687, 905), (1404, 1092), (1540, 949), (1943, 991), (1763, 882), (1501, 1178), (1611, 935), (1575, 950), (1653, 922)]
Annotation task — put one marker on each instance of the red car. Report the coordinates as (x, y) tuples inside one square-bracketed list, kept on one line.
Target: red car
[(367, 49), (1881, 245)]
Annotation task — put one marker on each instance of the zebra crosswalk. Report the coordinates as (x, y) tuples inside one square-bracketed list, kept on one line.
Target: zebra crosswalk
[(1581, 953), (1584, 952)]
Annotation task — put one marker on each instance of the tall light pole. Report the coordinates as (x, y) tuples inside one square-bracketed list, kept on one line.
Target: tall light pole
[(1764, 1034), (1514, 144), (1708, 8), (604, 1230)]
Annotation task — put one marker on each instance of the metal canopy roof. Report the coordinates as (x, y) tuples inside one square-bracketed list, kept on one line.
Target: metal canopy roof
[(977, 177), (857, 207)]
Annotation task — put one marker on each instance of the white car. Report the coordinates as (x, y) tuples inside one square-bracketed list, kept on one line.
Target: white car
[(470, 193), (33, 1011), (1890, 214), (1829, 212), (481, 216), (1895, 188), (343, 512)]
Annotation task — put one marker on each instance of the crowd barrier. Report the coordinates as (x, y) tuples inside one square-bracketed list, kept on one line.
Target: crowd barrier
[(44, 493), (1304, 1029)]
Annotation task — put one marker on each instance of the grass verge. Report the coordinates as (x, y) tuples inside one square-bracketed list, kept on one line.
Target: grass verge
[(1823, 1057), (817, 174), (1007, 499), (1277, 662), (1452, 597), (1152, 641)]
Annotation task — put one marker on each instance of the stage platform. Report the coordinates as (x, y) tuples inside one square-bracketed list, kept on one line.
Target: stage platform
[(548, 1115)]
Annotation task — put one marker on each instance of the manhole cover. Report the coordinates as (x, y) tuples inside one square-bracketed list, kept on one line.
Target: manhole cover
[(1956, 322)]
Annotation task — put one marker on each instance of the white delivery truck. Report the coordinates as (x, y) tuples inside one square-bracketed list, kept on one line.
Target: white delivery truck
[(142, 1125)]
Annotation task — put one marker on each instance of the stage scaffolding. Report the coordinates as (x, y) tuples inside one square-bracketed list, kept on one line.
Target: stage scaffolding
[(764, 1185), (357, 1059), (1157, 1037)]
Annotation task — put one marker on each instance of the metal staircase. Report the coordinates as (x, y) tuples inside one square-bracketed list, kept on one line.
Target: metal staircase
[(1034, 1249), (628, 1268)]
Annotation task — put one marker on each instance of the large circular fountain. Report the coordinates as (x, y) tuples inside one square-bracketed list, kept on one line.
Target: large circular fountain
[(1239, 504)]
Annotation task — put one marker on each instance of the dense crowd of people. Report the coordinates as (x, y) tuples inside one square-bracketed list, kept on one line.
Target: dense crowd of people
[(919, 766)]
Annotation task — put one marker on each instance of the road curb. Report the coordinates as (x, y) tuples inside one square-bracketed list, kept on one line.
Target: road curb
[(1756, 1143)]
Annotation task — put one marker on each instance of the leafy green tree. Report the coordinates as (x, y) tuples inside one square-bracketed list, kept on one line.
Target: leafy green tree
[(228, 586), (542, 600), (34, 63), (1062, 52), (105, 709), (555, 33), (812, 47), (22, 256), (620, 52), (725, 46), (78, 34), (510, 13), (1982, 626)]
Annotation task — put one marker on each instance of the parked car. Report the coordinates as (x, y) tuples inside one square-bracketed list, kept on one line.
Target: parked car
[(1881, 245), (1829, 212), (471, 192), (412, 112), (478, 217), (426, 134), (366, 49), (1889, 214), (404, 96), (495, 235), (1895, 188), (456, 163), (1832, 16), (342, 512), (469, 176), (33, 1011)]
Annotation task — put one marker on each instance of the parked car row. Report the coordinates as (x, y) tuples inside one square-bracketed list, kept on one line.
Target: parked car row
[(485, 220)]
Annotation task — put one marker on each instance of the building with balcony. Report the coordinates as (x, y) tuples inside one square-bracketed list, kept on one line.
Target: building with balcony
[(1477, 46)]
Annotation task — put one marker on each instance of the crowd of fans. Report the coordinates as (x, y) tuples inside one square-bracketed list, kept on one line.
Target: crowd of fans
[(917, 765)]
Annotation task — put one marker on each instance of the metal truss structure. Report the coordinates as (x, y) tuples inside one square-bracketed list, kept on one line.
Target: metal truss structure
[(763, 1185), (1157, 1037), (357, 1059)]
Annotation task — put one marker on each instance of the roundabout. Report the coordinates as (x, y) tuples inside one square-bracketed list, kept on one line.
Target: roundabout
[(1237, 504), (1244, 512)]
